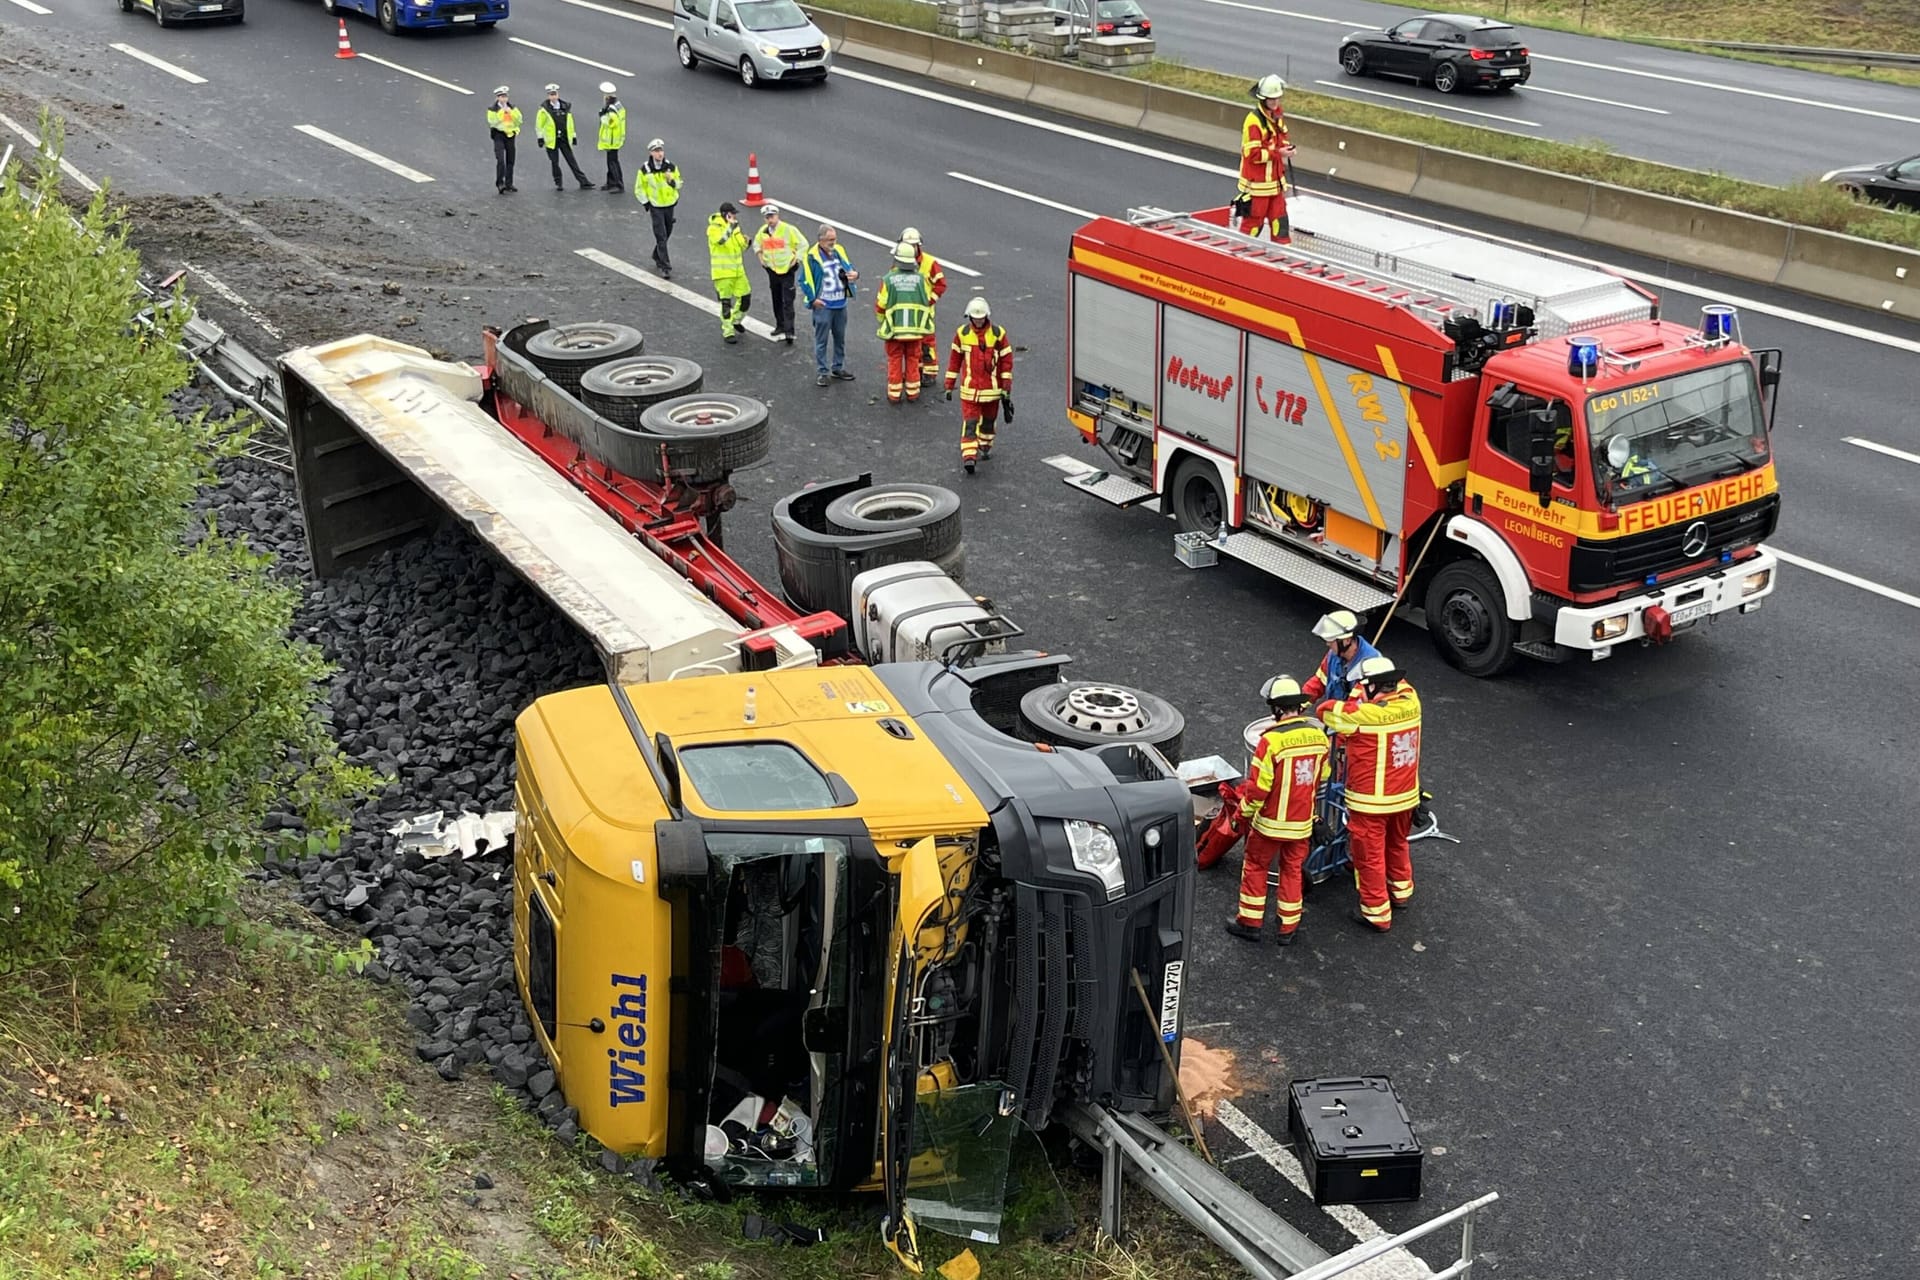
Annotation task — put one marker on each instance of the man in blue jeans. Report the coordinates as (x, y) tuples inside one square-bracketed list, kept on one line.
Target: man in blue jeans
[(826, 282)]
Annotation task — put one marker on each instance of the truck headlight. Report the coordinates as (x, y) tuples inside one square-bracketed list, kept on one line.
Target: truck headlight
[(1611, 628), (1097, 853), (1755, 582)]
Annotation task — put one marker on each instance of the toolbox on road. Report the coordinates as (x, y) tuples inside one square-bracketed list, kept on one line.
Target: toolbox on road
[(1354, 1139)]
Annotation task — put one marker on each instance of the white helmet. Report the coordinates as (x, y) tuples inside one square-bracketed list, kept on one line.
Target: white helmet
[(658, 144), (903, 252), (553, 88), (978, 309), (501, 92), (606, 86), (1377, 671), (1269, 87), (911, 236), (1337, 625)]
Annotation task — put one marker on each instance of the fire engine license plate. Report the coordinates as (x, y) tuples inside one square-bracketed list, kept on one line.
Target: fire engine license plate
[(1692, 613), (1170, 1000)]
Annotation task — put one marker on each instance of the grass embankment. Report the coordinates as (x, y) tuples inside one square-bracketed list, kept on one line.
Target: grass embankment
[(249, 1115)]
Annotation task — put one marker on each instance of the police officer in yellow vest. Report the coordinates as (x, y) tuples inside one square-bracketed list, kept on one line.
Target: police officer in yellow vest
[(503, 122), (905, 307), (726, 247), (613, 134), (658, 188), (779, 246), (553, 125)]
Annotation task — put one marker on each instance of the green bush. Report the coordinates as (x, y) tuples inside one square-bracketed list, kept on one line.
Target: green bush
[(152, 704)]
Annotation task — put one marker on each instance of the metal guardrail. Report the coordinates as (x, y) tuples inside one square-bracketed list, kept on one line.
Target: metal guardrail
[(1805, 53), (1365, 1252)]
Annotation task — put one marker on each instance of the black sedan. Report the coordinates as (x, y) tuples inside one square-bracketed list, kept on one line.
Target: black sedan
[(1896, 184), (1447, 50)]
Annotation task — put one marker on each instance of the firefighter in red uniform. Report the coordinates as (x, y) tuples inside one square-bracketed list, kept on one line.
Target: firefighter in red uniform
[(1288, 767), (1263, 152), (1381, 728), (981, 361)]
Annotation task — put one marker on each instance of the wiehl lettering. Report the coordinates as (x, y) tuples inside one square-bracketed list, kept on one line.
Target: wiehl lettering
[(627, 1065)]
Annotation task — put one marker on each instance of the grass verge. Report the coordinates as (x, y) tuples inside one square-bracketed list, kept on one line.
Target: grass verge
[(254, 1114)]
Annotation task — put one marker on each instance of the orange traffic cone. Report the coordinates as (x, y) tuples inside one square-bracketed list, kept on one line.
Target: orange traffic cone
[(754, 197), (346, 50)]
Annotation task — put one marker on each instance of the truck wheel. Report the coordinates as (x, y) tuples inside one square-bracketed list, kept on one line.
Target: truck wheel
[(1195, 496), (389, 17), (934, 511), (1088, 713), (1467, 617), (954, 563), (726, 432), (622, 390), (566, 351)]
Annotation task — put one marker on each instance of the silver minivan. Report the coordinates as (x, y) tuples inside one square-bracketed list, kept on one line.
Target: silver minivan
[(761, 39)]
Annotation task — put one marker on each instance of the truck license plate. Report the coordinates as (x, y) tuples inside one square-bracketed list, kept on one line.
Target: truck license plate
[(1170, 1000), (1692, 613), (463, 17)]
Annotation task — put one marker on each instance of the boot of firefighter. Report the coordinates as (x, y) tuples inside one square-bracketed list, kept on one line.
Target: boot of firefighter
[(969, 444)]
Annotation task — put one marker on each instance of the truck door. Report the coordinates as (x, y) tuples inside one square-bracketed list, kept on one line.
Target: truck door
[(1505, 472)]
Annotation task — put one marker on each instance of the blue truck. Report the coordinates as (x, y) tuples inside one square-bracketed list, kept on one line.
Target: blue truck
[(398, 15)]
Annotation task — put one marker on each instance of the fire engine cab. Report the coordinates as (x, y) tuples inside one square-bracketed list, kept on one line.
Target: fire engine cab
[(1516, 448)]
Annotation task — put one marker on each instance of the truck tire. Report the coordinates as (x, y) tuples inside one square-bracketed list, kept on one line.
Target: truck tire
[(714, 431), (622, 390), (1195, 496), (1467, 618), (934, 511), (566, 351), (954, 563), (1092, 713), (389, 17)]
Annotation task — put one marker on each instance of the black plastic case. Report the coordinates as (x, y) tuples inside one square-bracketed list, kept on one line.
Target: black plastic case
[(1354, 1139)]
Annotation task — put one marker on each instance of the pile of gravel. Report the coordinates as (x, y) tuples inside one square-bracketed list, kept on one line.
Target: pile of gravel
[(438, 648)]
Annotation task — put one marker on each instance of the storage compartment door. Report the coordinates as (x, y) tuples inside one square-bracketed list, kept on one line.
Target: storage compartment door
[(1326, 430), (1113, 349), (1200, 395)]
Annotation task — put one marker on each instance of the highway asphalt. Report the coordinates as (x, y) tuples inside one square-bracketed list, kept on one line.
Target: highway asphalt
[(1747, 119), (1662, 997)]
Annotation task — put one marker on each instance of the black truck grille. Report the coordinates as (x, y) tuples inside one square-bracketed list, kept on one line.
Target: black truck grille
[(1623, 562), (1054, 996)]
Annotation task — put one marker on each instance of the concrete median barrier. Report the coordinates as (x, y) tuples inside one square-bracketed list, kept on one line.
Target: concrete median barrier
[(1195, 118), (1717, 239), (889, 46), (1096, 95), (977, 66), (1354, 155), (1549, 201), (1867, 274)]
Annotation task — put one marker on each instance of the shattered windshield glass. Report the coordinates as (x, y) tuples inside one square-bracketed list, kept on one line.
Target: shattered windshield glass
[(957, 1180)]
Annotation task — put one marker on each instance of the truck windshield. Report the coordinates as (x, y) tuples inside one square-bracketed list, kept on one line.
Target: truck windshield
[(957, 1179), (1676, 432)]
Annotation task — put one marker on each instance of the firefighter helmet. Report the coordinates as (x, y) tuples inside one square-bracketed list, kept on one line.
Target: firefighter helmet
[(903, 253), (1377, 671), (1338, 625), (1283, 691), (1269, 87), (912, 236), (978, 309)]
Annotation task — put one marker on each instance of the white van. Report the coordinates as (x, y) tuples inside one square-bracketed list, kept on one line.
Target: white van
[(761, 39)]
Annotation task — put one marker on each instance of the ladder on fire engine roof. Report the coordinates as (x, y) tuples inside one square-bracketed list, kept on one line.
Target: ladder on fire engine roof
[(1432, 272)]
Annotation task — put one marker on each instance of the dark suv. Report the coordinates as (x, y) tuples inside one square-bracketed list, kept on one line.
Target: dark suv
[(1447, 50)]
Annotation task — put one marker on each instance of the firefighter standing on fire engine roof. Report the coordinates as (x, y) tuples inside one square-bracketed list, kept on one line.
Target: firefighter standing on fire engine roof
[(905, 307), (937, 281), (1263, 155), (1345, 650), (1288, 767), (981, 360), (1380, 725)]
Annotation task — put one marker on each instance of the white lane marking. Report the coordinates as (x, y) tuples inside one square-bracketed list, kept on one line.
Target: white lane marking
[(1288, 13), (808, 215), (1031, 199), (1731, 88), (1840, 575), (417, 75), (1889, 450), (562, 53), (1422, 104), (33, 140), (31, 7), (1283, 1162), (1133, 148), (1605, 102), (161, 63), (639, 276), (619, 13), (355, 149), (239, 303)]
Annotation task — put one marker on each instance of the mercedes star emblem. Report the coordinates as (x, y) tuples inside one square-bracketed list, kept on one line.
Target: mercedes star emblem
[(1695, 543)]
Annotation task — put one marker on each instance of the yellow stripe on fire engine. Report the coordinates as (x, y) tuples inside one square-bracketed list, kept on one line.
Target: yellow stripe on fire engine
[(1656, 513), (1442, 476), (1346, 445), (1186, 293)]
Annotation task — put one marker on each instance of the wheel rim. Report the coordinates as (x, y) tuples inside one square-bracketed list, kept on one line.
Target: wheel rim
[(746, 70), (891, 506), (1353, 61), (1104, 709), (1202, 503), (579, 338), (1465, 622), (639, 376), (1443, 79), (686, 53), (693, 416)]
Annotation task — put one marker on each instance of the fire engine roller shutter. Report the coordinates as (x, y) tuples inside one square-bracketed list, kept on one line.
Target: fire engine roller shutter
[(1291, 442), (1200, 374), (1113, 334)]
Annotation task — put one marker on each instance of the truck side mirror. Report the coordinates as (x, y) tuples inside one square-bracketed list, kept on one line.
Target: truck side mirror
[(1769, 359), (1540, 427)]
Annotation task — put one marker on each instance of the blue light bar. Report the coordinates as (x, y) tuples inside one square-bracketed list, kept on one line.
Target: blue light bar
[(1717, 321), (1583, 356), (1502, 315)]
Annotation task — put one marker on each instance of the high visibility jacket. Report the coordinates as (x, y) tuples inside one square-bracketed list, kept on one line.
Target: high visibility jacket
[(658, 188), (1288, 767), (779, 247), (504, 121), (1261, 139), (613, 126), (548, 129), (1383, 750), (817, 281), (935, 274), (1334, 677), (981, 361), (726, 243), (904, 305)]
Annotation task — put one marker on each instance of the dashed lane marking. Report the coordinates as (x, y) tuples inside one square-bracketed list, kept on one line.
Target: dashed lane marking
[(1421, 104), (161, 63), (640, 275), (1887, 449), (417, 75), (33, 140), (1022, 195), (574, 57), (1605, 102), (1729, 88), (31, 7), (371, 157), (1852, 580), (808, 215), (619, 13)]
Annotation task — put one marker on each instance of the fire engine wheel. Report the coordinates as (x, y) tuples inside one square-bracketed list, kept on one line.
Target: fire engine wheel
[(885, 508), (622, 390), (1446, 77), (1467, 617), (566, 351), (1199, 505), (1088, 713), (731, 431), (1353, 60)]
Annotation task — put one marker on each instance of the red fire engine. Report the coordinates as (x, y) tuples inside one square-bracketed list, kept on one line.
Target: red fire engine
[(1515, 447)]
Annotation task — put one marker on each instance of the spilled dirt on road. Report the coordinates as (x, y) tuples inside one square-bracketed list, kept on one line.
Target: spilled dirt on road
[(1207, 1077)]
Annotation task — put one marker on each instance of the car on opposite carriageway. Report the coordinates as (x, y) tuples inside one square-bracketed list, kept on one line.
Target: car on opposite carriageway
[(1895, 184), (1449, 51)]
